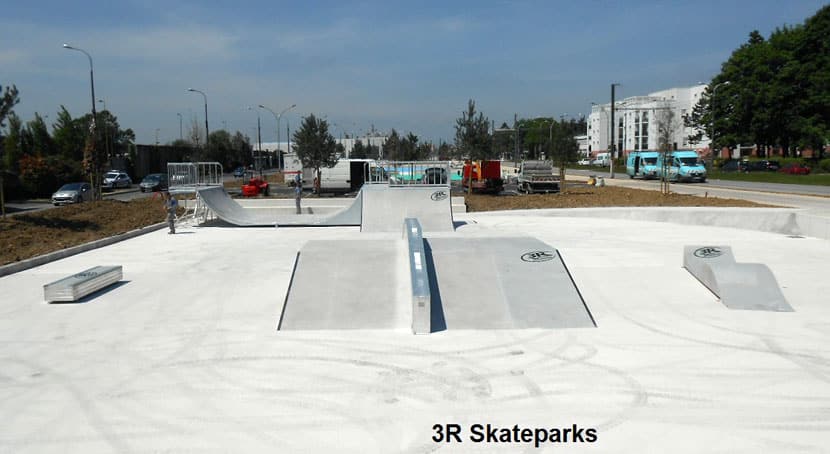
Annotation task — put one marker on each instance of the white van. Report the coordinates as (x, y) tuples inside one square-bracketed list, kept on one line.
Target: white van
[(602, 159), (348, 175)]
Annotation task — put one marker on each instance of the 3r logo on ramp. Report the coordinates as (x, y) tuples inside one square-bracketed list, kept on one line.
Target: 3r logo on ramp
[(439, 196), (538, 256)]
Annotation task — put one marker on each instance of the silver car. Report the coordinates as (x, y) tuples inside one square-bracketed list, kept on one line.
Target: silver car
[(72, 193), (114, 180)]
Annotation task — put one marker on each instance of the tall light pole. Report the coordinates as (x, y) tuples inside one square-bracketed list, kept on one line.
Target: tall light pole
[(278, 116), (259, 141), (613, 132), (181, 136), (94, 157), (106, 130), (712, 108), (207, 131)]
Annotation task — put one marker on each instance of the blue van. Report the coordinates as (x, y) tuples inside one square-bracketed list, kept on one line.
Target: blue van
[(684, 165), (642, 164)]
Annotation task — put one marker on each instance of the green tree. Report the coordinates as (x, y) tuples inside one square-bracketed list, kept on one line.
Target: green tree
[(13, 143), (359, 151), (315, 146), (68, 136), (472, 136), (392, 147), (7, 102)]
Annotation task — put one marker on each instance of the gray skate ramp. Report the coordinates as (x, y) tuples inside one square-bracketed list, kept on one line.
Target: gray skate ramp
[(492, 283), (228, 210), (748, 286), (348, 285), (385, 207)]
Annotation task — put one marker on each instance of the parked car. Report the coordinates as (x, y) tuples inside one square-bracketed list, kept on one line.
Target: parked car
[(154, 182), (115, 179), (239, 172), (772, 166), (795, 169), (72, 193), (434, 175), (584, 162), (732, 166)]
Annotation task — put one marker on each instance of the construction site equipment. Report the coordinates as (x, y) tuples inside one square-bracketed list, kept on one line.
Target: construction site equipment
[(537, 176), (486, 176)]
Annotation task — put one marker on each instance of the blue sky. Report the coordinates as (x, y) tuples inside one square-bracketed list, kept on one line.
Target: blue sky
[(411, 66)]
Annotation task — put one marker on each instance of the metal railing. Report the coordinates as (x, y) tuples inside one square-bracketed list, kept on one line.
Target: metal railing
[(404, 173), (190, 176)]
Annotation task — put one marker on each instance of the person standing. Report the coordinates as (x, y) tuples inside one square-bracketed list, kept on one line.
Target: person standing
[(170, 206), (298, 191)]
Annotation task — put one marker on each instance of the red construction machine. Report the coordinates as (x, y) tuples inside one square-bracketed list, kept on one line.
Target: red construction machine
[(486, 176), (255, 187)]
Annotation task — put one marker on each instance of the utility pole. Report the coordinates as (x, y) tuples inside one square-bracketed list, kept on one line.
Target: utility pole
[(613, 131), (516, 140)]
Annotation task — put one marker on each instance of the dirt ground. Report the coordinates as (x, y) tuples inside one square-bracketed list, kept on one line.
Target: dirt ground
[(28, 235)]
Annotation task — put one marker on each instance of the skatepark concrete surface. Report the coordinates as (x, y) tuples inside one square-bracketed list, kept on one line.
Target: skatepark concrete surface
[(184, 355)]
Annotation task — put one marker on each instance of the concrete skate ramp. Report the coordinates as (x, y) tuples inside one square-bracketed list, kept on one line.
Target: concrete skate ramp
[(491, 283), (228, 210), (748, 286), (385, 207), (348, 285)]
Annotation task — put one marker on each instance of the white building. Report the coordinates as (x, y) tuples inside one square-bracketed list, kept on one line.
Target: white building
[(637, 119)]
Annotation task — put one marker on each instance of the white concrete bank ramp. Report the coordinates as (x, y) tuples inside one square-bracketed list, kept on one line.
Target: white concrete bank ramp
[(183, 354)]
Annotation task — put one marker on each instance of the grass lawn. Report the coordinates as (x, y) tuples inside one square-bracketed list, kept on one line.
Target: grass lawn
[(817, 179)]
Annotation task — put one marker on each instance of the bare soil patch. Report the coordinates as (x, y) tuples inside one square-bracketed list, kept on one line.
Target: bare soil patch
[(592, 196), (29, 235)]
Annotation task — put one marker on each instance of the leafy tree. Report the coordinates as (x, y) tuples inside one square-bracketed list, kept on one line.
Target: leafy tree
[(392, 147), (358, 150), (68, 136), (472, 136), (36, 138), (666, 125), (777, 92), (315, 146), (7, 102), (13, 143)]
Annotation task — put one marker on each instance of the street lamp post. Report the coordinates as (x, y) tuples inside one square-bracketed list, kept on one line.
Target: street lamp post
[(278, 117), (259, 141), (94, 158), (207, 131), (712, 140), (106, 131), (613, 132)]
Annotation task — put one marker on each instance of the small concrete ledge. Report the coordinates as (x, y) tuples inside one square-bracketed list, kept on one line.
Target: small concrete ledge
[(747, 286)]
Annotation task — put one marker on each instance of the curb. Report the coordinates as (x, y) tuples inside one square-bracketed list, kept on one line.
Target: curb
[(23, 265)]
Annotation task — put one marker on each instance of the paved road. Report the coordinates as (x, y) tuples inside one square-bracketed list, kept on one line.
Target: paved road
[(729, 184)]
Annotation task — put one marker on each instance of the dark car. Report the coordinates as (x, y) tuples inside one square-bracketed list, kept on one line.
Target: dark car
[(434, 175), (154, 182), (72, 193), (239, 172), (734, 166), (795, 169), (772, 166)]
